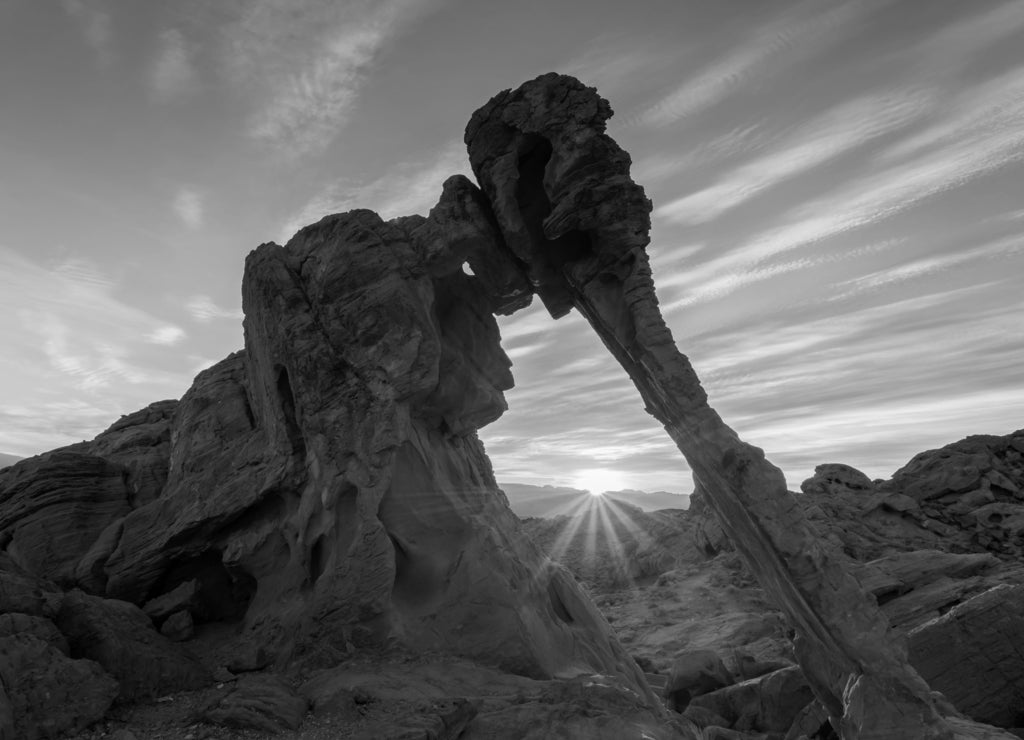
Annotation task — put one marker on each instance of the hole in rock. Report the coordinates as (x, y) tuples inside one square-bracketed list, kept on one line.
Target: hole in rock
[(416, 582), (679, 700), (886, 596), (287, 400), (467, 269), (223, 595), (534, 205), (317, 559), (995, 518), (558, 605)]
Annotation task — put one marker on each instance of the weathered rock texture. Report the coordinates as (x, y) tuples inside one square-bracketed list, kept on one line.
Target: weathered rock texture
[(325, 491), (959, 609), (325, 488), (567, 208)]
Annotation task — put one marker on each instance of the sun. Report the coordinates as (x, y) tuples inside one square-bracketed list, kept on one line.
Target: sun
[(599, 480)]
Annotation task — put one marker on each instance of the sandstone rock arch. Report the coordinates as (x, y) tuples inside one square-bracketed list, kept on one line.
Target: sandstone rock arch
[(570, 214), (325, 487)]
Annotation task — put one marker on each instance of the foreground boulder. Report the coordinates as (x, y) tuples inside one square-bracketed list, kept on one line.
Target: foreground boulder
[(974, 654), (256, 702), (44, 694), (449, 698), (120, 637)]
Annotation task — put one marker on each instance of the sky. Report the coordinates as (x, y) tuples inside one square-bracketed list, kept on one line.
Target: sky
[(838, 227)]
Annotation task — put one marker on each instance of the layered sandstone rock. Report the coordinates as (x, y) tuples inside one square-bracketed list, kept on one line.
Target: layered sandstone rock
[(567, 208), (324, 489)]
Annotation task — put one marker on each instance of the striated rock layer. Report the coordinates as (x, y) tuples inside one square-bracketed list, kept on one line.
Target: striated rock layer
[(325, 490), (567, 207)]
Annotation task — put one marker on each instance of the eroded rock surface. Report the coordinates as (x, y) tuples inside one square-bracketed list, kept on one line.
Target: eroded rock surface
[(46, 693), (567, 208), (323, 492)]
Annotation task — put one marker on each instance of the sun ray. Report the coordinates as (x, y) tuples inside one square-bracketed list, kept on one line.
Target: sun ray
[(573, 524), (620, 561)]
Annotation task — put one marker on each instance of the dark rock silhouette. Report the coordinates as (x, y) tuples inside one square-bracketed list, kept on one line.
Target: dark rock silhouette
[(957, 609), (324, 493)]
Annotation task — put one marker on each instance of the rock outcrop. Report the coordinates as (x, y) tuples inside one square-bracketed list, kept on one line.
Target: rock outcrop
[(958, 609), (568, 209), (323, 491)]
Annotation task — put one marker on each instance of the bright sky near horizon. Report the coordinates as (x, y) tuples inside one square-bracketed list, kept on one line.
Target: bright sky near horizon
[(838, 237)]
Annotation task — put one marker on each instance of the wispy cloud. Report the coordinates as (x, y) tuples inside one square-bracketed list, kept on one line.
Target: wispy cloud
[(738, 141), (797, 36), (203, 309), (96, 27), (166, 335), (832, 134), (968, 150), (308, 88), (869, 385), (407, 188), (71, 341), (613, 64), (188, 204), (173, 74)]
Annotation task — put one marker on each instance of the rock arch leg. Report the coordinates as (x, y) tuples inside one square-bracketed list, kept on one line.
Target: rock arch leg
[(858, 668)]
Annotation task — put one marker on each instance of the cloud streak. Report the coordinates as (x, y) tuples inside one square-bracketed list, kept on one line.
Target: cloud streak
[(188, 204), (408, 188), (796, 37), (173, 74), (203, 309), (96, 27), (835, 133), (309, 88), (77, 355)]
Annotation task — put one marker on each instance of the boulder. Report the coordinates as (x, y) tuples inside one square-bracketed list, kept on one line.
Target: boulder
[(54, 506), (185, 597), (974, 655), (48, 694), (769, 703), (178, 627), (692, 674), (39, 627), (973, 488), (256, 702), (833, 478), (121, 638), (21, 592)]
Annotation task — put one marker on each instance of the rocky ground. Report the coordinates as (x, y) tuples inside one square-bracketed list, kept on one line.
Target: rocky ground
[(938, 546), (675, 593)]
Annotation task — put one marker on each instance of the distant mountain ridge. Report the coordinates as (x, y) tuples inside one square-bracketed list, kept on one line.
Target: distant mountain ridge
[(6, 459), (550, 501)]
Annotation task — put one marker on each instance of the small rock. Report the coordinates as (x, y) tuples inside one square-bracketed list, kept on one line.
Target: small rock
[(692, 674), (249, 657), (257, 701), (179, 626), (836, 478), (222, 675), (768, 703), (185, 596)]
